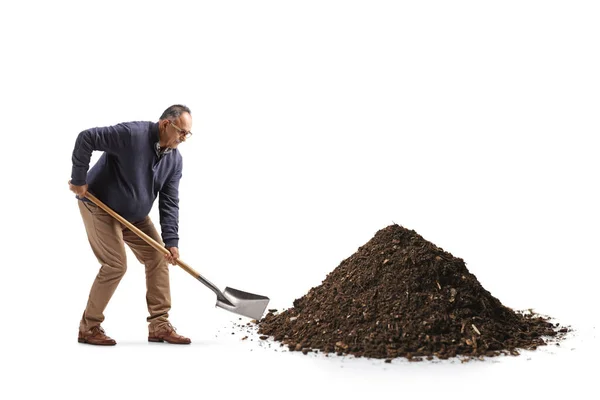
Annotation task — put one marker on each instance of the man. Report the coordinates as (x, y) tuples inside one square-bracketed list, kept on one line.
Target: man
[(139, 164)]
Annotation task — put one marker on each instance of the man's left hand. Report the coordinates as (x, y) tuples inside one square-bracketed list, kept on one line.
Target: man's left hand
[(174, 255)]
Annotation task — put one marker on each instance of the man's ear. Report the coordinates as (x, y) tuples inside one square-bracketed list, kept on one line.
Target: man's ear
[(163, 124)]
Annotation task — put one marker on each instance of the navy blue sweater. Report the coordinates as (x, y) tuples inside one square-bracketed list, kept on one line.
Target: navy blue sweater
[(130, 174)]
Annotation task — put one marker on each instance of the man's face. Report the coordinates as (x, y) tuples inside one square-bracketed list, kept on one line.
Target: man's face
[(177, 130)]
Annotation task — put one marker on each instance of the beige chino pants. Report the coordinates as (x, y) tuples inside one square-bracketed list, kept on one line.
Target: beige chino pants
[(107, 236)]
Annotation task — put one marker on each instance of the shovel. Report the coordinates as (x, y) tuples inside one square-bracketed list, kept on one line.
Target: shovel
[(237, 301)]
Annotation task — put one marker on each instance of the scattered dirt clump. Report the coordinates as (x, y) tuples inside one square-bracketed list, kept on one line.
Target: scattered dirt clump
[(402, 296)]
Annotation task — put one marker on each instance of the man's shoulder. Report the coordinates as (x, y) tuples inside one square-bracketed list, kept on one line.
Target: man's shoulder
[(138, 126), (177, 156), (175, 159), (141, 131)]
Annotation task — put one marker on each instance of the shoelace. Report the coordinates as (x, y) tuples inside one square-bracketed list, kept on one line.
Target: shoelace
[(97, 329)]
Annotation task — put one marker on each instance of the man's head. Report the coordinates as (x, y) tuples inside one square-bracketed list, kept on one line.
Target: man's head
[(175, 125)]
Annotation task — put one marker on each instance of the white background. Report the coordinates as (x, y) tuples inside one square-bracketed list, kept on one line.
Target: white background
[(316, 123)]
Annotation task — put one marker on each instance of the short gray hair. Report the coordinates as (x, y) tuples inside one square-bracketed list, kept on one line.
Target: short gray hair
[(175, 111)]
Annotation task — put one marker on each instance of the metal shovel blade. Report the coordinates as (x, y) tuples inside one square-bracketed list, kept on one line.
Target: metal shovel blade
[(243, 303)]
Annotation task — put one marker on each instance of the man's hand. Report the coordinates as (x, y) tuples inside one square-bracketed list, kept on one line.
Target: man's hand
[(78, 190), (174, 255)]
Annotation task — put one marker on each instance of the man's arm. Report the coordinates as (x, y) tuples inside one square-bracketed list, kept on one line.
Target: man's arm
[(108, 139), (168, 207)]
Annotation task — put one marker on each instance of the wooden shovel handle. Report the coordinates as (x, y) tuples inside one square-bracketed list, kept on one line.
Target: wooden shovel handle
[(141, 234)]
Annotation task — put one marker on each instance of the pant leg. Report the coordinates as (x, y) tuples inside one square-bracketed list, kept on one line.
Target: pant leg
[(158, 292), (106, 239)]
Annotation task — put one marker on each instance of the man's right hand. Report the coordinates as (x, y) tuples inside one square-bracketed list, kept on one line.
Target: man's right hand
[(78, 190)]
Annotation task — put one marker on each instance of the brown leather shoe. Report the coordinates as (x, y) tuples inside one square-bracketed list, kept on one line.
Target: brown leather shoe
[(166, 333), (96, 336)]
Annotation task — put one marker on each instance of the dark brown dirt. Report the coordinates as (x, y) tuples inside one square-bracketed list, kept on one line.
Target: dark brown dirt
[(402, 296)]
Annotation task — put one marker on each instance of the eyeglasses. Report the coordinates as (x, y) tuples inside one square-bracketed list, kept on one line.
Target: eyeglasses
[(182, 133)]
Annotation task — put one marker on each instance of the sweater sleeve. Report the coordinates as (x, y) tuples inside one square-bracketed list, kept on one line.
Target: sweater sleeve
[(109, 139), (168, 208)]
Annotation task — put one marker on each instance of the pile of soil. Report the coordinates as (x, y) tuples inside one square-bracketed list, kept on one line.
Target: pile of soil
[(402, 296)]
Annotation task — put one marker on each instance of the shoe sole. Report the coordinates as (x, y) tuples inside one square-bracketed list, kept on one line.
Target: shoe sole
[(158, 340), (95, 344)]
